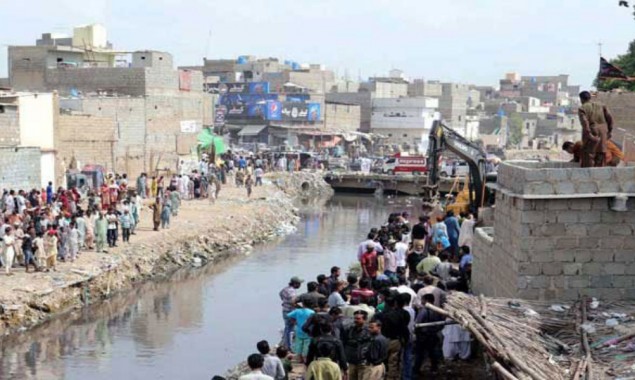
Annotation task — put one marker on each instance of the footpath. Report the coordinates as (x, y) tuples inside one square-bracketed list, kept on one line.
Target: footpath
[(203, 232)]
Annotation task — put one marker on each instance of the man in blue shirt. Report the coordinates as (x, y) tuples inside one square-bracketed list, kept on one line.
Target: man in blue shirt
[(242, 163), (466, 258), (302, 339), (49, 193)]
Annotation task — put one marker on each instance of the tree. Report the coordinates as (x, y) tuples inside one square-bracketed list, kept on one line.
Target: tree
[(626, 62), (515, 125)]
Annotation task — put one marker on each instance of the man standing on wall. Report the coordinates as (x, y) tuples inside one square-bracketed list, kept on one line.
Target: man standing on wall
[(597, 125)]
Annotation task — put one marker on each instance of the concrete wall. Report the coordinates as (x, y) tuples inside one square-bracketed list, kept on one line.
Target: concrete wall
[(556, 235), (120, 80), (401, 136), (363, 99), (20, 168), (342, 117), (37, 120), (88, 139)]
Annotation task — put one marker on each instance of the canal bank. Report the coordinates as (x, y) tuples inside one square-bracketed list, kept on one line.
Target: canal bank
[(201, 322), (203, 232)]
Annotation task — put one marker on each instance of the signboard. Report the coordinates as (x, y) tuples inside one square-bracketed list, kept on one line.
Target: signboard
[(246, 106), (219, 117), (292, 111), (254, 88), (189, 126)]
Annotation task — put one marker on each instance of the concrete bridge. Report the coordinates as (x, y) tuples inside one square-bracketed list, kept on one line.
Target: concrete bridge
[(393, 184)]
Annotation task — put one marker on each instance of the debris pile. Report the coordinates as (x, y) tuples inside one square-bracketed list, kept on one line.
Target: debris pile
[(303, 184), (539, 340)]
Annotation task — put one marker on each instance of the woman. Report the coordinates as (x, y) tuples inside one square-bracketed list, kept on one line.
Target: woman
[(89, 238), (153, 187), (165, 213), (50, 246), (9, 249), (156, 213)]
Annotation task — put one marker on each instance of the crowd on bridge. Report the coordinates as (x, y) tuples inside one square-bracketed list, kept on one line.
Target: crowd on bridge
[(383, 321)]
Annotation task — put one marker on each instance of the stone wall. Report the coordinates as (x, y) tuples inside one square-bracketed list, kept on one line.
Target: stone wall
[(20, 168), (561, 242)]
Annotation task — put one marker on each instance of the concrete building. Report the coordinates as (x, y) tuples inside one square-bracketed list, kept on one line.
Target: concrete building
[(362, 99), (421, 87), (27, 124), (559, 232), (342, 117), (404, 120), (385, 87), (453, 104)]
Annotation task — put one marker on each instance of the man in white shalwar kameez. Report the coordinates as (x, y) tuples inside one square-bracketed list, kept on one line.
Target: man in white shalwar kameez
[(456, 342), (466, 234)]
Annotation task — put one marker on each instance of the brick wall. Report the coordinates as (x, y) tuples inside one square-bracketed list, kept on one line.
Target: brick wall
[(88, 139), (622, 106), (121, 80), (20, 168), (343, 117), (556, 236), (9, 125)]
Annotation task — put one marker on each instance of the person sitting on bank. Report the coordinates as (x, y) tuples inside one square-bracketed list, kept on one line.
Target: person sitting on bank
[(613, 156)]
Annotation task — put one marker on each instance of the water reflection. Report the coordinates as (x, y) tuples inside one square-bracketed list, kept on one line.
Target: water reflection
[(201, 321)]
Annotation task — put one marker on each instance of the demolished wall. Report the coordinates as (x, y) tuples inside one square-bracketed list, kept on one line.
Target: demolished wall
[(556, 234)]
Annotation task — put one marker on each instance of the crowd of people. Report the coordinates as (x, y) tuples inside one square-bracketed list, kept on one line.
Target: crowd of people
[(376, 324), (41, 227)]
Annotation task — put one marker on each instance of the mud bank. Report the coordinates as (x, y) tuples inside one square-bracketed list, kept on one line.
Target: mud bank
[(203, 233)]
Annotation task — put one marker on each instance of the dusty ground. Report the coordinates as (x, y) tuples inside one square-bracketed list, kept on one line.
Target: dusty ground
[(202, 232)]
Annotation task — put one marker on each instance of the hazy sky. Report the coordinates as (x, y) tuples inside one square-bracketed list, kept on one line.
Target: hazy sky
[(472, 41)]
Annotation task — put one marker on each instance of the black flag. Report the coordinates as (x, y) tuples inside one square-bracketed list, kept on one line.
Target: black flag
[(610, 71)]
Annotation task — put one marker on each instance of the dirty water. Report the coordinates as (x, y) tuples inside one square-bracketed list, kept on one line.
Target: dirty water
[(201, 322)]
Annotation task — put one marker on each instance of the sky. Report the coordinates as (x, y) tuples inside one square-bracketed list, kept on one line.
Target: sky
[(467, 41)]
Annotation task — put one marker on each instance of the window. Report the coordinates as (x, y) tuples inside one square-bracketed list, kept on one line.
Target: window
[(143, 58), (405, 135), (160, 58), (59, 59), (459, 117), (390, 135)]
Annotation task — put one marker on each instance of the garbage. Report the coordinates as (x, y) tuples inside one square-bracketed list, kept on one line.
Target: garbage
[(531, 313), (588, 327), (612, 322), (594, 303)]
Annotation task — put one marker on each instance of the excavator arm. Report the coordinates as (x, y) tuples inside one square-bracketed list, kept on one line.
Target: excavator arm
[(443, 138)]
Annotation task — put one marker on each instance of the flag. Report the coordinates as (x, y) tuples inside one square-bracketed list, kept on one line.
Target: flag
[(610, 71)]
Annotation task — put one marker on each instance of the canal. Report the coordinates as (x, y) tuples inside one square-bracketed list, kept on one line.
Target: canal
[(200, 322)]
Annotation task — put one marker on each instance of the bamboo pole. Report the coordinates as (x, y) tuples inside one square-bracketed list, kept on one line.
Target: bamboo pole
[(503, 372)]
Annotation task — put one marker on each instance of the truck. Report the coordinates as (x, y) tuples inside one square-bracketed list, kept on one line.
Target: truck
[(403, 163)]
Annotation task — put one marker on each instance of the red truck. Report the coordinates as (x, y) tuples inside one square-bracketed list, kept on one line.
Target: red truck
[(401, 163)]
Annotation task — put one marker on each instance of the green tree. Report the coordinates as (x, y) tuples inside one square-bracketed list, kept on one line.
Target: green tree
[(515, 125), (626, 62)]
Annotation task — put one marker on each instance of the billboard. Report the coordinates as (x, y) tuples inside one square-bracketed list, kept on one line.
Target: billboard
[(219, 117), (254, 88), (293, 111), (244, 106)]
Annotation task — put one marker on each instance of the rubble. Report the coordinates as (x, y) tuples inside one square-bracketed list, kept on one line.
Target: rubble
[(303, 184), (202, 233)]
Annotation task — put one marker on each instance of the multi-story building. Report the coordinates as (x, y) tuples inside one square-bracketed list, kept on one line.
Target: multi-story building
[(404, 121), (157, 108), (453, 104), (421, 87)]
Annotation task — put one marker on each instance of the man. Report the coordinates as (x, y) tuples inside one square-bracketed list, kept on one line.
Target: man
[(339, 322), (428, 264), (141, 185), (465, 259), (287, 296), (376, 354), (415, 256), (466, 234), (255, 363), (394, 322), (302, 339), (427, 341), (272, 365), (323, 368), (156, 213), (334, 279), (356, 340), (326, 342), (453, 229), (49, 193), (429, 288), (597, 126), (259, 173), (614, 155), (369, 262), (312, 293), (363, 246), (364, 294), (404, 288), (401, 252), (323, 285), (390, 260), (420, 231)]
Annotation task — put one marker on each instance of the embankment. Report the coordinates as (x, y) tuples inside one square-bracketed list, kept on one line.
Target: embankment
[(202, 233)]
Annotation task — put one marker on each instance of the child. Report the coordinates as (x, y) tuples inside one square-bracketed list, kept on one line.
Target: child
[(126, 223), (39, 253)]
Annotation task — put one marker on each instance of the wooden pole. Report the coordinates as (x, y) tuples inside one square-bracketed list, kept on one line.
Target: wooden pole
[(503, 372)]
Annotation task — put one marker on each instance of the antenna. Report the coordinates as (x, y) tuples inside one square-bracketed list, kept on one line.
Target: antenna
[(600, 48), (209, 41)]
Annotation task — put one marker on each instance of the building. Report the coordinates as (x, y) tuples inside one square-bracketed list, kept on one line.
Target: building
[(453, 104), (381, 87), (361, 99), (342, 117), (421, 87), (404, 121)]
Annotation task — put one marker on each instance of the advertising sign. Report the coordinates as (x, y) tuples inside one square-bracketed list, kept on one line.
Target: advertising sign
[(219, 117), (189, 126), (254, 88), (291, 111)]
